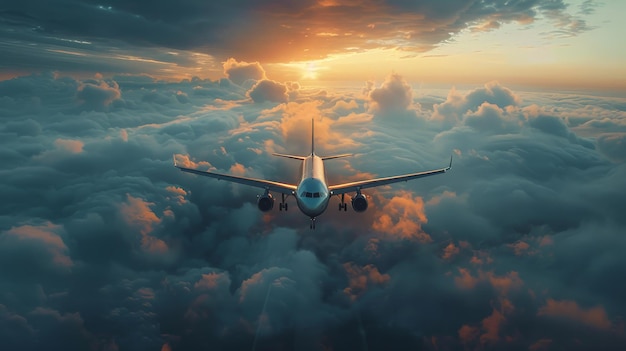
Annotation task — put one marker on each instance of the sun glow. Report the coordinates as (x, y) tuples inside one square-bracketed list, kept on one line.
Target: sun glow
[(305, 70), (310, 71)]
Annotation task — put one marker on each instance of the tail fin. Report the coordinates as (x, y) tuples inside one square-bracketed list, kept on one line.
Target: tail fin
[(312, 136)]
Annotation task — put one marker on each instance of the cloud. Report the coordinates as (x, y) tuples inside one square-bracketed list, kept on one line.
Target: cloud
[(164, 38), (268, 90), (492, 95), (239, 72), (98, 95), (402, 216), (137, 213), (362, 277), (595, 316), (613, 145), (104, 242), (394, 94), (37, 250)]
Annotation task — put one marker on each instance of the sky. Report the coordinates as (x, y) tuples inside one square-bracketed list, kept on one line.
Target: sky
[(552, 43), (104, 245)]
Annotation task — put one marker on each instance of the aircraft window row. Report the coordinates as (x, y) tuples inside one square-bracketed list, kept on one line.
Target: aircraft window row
[(308, 194)]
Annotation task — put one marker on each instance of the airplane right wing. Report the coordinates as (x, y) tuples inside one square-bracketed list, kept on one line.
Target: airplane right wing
[(370, 183)]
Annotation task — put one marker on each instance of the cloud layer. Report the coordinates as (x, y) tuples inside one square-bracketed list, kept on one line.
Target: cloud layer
[(85, 36), (104, 245)]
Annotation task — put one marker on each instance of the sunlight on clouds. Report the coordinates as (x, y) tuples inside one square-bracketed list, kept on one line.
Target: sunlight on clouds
[(73, 146), (30, 239), (360, 278), (403, 215), (594, 316), (137, 213)]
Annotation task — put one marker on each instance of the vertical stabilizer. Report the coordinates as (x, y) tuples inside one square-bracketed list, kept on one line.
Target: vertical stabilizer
[(312, 136)]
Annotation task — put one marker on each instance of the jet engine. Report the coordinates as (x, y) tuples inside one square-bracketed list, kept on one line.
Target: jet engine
[(359, 203), (265, 202)]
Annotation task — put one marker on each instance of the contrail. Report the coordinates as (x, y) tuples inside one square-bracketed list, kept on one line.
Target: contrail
[(258, 328), (361, 330)]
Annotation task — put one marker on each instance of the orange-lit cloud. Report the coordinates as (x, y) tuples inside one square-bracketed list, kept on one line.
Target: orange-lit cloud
[(73, 146), (491, 326), (185, 161), (450, 251), (137, 214), (211, 281), (403, 216), (178, 194), (594, 316), (502, 284), (519, 247), (42, 238), (362, 277)]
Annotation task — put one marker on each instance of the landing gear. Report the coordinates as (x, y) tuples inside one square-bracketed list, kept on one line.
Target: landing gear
[(283, 204), (312, 225), (343, 206)]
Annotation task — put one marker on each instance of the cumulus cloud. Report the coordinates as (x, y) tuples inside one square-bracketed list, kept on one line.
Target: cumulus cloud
[(103, 242), (394, 94), (268, 90), (240, 72), (457, 104), (36, 250), (98, 95)]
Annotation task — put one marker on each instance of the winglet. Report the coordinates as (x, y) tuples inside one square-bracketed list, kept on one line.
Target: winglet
[(450, 166), (174, 158)]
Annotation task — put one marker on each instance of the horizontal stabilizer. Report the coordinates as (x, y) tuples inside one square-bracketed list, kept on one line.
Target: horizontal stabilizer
[(290, 156), (335, 156)]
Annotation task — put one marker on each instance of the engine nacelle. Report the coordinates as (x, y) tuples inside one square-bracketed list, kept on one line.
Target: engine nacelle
[(265, 202), (359, 203)]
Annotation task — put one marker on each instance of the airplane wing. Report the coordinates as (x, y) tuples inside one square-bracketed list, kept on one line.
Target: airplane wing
[(259, 183), (370, 183)]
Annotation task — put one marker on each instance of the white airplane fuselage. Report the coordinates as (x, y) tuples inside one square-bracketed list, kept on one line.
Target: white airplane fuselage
[(312, 194)]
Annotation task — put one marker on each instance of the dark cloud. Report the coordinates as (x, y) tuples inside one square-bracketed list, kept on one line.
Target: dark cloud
[(268, 90), (83, 36), (98, 95), (239, 72), (104, 245), (613, 146)]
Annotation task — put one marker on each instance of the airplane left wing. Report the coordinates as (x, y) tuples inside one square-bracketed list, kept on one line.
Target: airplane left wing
[(370, 183), (259, 183)]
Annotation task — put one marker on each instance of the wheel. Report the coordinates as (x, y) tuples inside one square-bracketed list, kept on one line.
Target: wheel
[(280, 207), (345, 207), (286, 208)]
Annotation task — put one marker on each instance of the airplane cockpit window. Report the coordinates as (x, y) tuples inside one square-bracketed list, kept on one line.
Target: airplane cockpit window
[(308, 194)]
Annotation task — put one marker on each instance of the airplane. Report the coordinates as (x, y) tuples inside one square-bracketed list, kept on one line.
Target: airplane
[(313, 193)]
